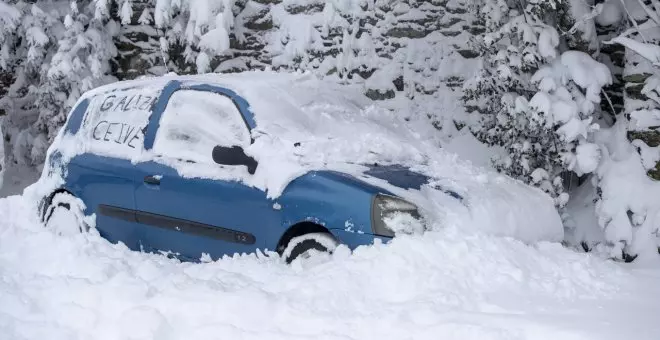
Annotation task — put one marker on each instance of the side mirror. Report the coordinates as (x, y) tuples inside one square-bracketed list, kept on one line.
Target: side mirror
[(234, 156)]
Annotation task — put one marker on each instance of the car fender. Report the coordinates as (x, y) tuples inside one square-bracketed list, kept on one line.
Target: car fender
[(338, 202)]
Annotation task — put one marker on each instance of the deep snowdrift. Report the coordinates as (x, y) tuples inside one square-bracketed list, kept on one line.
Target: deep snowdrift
[(443, 285)]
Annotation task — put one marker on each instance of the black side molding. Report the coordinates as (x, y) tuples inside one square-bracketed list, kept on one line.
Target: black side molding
[(117, 212), (176, 224)]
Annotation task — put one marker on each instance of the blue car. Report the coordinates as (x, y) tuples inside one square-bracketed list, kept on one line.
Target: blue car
[(162, 166)]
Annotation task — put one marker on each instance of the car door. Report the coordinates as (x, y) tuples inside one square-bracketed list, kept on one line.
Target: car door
[(112, 133), (189, 204)]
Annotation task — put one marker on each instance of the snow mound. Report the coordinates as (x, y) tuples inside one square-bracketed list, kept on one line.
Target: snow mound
[(449, 285)]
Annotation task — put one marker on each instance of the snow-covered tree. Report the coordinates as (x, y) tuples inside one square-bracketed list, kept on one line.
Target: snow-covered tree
[(138, 42), (26, 51), (59, 49), (200, 27), (80, 63), (627, 206), (534, 97), (9, 22)]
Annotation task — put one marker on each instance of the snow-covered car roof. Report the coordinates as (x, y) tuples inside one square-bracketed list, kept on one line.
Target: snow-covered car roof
[(305, 124), (277, 99)]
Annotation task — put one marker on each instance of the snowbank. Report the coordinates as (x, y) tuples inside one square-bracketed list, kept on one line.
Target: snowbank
[(305, 124), (448, 285)]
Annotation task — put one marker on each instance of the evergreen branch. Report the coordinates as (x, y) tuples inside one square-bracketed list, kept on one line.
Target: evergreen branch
[(594, 13), (609, 101), (632, 19), (652, 15)]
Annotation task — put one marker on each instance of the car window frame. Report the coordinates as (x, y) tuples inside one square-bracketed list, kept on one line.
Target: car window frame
[(160, 106)]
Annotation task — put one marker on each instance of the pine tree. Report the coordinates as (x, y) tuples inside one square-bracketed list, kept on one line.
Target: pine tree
[(530, 96), (27, 49), (80, 63), (57, 55), (627, 205)]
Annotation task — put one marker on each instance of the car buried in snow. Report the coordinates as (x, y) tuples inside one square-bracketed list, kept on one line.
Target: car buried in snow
[(213, 165)]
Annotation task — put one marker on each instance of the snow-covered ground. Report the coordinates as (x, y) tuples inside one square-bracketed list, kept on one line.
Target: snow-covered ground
[(451, 283), (447, 284), (16, 178)]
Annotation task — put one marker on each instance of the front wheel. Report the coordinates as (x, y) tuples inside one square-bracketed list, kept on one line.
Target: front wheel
[(311, 245), (64, 214)]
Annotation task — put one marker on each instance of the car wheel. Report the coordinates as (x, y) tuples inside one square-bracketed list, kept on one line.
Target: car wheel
[(65, 215), (311, 245)]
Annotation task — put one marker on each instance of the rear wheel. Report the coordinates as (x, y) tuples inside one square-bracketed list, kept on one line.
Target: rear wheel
[(64, 214), (309, 246)]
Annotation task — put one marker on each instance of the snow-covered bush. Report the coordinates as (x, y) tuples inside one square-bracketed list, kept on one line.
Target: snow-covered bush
[(532, 99), (628, 208)]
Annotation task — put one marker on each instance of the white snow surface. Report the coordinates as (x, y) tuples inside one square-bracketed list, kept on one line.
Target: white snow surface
[(611, 13), (644, 119), (339, 129), (450, 284), (629, 211)]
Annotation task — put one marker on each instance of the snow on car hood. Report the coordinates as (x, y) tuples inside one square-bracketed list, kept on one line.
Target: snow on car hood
[(305, 124)]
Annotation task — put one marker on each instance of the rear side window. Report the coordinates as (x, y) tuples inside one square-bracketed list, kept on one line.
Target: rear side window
[(115, 122), (194, 122)]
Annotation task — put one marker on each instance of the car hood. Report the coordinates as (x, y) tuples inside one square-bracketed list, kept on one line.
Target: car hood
[(403, 177), (398, 175)]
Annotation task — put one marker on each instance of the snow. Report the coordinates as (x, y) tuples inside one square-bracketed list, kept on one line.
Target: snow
[(648, 51), (584, 14), (15, 178), (471, 150), (295, 35), (203, 62), (581, 221), (587, 73), (381, 80), (305, 124), (449, 284), (567, 108), (401, 222), (587, 157), (215, 40), (9, 15), (36, 36), (181, 136), (610, 14), (126, 12), (644, 119), (547, 44), (114, 122), (628, 212), (323, 239), (563, 107)]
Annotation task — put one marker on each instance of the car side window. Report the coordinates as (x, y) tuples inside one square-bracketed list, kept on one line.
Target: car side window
[(194, 122)]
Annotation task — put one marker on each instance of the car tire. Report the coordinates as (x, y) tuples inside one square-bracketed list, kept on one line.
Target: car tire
[(309, 245), (65, 215)]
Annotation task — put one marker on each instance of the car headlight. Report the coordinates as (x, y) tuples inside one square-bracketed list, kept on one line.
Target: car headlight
[(391, 215)]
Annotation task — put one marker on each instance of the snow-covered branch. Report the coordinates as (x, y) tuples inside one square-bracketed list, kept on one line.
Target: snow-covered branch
[(649, 51), (653, 15)]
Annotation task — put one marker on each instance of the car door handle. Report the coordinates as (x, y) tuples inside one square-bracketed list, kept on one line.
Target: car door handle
[(152, 180)]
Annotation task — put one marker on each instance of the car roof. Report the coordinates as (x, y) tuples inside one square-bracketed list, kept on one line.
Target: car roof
[(225, 80), (242, 83), (276, 99)]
